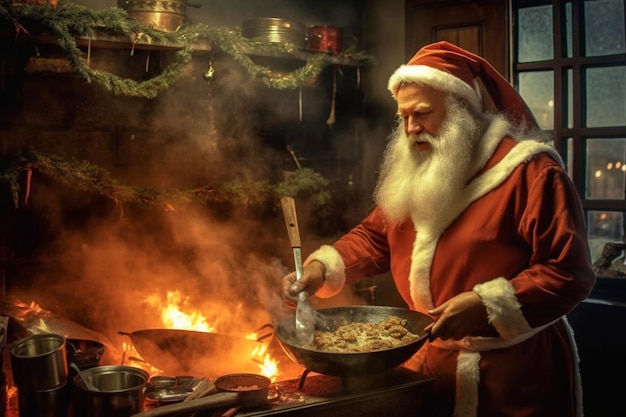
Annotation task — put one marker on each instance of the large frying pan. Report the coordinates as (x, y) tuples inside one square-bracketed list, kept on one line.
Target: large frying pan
[(202, 354), (353, 364)]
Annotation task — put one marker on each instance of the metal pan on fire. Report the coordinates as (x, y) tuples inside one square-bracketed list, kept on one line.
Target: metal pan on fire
[(353, 363), (200, 354)]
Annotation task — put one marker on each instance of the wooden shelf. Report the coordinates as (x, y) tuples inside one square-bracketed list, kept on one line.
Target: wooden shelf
[(103, 40)]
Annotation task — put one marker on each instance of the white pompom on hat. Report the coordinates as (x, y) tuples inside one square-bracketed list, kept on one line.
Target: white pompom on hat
[(447, 67)]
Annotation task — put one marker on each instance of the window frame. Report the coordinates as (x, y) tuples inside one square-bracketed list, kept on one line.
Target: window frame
[(560, 65)]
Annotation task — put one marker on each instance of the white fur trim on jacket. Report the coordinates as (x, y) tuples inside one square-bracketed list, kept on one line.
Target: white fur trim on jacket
[(503, 309), (335, 274), (505, 314), (467, 378), (425, 244), (441, 80), (429, 233)]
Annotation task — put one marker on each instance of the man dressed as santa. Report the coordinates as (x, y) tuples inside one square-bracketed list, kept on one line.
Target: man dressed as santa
[(482, 229)]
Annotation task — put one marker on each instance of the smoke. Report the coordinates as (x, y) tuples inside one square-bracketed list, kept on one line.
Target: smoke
[(109, 273), (104, 269)]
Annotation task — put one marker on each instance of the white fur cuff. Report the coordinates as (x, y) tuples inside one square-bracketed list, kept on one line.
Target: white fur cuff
[(503, 309), (335, 276)]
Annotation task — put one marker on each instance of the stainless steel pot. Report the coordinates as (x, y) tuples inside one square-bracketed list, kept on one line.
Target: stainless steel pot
[(39, 362), (120, 391), (353, 364), (271, 29)]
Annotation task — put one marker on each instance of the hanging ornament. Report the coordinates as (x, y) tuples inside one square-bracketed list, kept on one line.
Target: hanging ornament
[(213, 133), (208, 75)]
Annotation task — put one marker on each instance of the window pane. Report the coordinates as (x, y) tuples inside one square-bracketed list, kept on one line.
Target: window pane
[(537, 89), (568, 30), (604, 227), (569, 156), (606, 96), (568, 105), (604, 27), (535, 37), (606, 168)]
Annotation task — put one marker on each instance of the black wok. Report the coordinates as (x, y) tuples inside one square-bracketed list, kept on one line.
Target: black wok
[(359, 363), (188, 352)]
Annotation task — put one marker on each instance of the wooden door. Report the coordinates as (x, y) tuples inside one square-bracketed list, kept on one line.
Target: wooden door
[(480, 26)]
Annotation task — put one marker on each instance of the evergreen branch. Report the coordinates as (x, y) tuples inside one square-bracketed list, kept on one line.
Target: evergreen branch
[(67, 21), (84, 176)]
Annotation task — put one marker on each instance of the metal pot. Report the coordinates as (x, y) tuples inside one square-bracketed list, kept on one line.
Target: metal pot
[(39, 362), (271, 29), (353, 364), (325, 38), (188, 352), (120, 391), (163, 15), (53, 402)]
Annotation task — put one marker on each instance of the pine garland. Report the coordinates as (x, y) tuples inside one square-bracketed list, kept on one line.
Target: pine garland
[(67, 21), (84, 176)]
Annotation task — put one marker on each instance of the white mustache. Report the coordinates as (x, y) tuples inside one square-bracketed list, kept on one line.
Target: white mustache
[(421, 137)]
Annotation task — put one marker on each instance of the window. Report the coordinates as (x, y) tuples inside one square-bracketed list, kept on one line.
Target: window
[(570, 66)]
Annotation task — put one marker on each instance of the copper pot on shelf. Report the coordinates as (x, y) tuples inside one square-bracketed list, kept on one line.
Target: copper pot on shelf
[(325, 38), (162, 15)]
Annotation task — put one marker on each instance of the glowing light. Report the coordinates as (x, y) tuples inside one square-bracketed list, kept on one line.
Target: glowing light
[(176, 313), (598, 174), (269, 368)]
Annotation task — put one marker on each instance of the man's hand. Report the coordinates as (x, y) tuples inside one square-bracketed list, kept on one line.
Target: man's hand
[(458, 317), (311, 281)]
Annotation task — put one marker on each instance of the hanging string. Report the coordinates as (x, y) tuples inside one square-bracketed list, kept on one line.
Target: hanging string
[(148, 62), (213, 133), (88, 51), (29, 178), (300, 102), (132, 48), (331, 117)]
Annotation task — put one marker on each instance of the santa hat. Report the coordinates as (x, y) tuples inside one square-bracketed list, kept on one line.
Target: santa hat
[(449, 68)]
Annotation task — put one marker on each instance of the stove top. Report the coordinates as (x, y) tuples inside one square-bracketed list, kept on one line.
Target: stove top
[(399, 392)]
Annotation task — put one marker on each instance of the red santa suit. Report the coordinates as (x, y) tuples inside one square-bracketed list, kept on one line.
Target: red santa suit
[(516, 236)]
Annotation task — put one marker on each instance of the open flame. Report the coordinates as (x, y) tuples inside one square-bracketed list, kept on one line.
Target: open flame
[(174, 317), (176, 313)]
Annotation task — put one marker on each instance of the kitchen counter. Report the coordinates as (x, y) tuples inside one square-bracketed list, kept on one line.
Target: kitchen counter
[(399, 392)]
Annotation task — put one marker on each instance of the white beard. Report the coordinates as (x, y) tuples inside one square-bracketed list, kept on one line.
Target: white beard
[(419, 184)]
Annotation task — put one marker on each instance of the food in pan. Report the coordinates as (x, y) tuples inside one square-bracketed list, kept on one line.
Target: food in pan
[(365, 337)]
